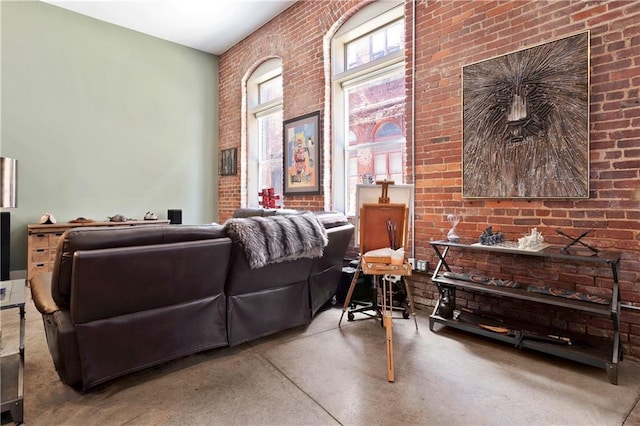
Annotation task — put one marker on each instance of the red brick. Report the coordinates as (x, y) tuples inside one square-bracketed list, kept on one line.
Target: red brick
[(595, 11)]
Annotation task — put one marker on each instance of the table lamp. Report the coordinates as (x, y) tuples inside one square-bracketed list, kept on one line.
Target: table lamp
[(8, 184)]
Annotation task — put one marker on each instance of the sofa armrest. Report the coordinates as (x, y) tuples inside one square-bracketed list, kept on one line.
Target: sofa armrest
[(41, 294)]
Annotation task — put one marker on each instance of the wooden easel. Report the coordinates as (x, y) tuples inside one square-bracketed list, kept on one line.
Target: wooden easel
[(384, 199), (374, 219)]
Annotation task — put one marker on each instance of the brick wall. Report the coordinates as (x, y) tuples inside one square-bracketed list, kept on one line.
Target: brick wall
[(450, 34)]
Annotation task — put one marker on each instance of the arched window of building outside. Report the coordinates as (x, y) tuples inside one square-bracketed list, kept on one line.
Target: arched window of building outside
[(387, 129)]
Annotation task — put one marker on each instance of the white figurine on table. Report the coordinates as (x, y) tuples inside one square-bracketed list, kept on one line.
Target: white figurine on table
[(530, 241)]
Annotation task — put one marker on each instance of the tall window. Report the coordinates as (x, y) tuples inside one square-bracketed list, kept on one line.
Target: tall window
[(264, 91), (369, 108)]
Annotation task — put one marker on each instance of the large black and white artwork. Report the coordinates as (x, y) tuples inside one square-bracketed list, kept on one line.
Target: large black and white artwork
[(526, 123)]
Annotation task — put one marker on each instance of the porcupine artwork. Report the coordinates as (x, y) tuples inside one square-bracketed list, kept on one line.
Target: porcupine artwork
[(525, 123)]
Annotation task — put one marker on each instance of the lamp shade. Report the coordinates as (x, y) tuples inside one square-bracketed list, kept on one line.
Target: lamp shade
[(8, 176)]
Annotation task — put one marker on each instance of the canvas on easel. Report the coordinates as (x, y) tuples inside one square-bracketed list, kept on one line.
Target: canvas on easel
[(396, 194), (375, 218)]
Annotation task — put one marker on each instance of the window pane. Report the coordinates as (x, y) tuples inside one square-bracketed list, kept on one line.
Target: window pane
[(270, 90), (395, 163), (395, 178), (375, 45), (353, 166), (376, 104), (380, 164), (271, 136), (395, 37), (358, 52), (351, 195), (271, 176), (379, 100), (270, 159)]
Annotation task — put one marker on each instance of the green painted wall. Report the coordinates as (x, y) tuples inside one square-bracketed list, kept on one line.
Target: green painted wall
[(104, 120)]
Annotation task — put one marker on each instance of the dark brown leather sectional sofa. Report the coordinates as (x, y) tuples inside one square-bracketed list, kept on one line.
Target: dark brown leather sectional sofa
[(124, 299)]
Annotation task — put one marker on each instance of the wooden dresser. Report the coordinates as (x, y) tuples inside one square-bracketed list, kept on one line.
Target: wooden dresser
[(42, 241)]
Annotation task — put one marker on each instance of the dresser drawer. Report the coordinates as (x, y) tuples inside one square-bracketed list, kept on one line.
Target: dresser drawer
[(39, 267), (54, 237), (38, 240), (40, 254)]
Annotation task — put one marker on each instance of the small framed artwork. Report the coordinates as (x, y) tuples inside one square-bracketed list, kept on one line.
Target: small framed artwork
[(302, 155), (228, 160)]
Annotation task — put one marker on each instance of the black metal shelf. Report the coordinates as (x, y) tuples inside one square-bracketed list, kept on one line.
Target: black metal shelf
[(556, 252), (523, 294), (590, 350)]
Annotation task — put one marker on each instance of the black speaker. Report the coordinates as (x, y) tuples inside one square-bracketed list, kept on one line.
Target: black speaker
[(174, 216), (5, 234)]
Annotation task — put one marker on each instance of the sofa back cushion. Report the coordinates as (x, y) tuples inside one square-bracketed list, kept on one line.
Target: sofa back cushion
[(93, 238), (331, 219), (107, 283), (252, 212)]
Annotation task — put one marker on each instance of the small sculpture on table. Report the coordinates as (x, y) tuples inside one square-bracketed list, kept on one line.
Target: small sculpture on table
[(47, 219), (532, 240), (81, 219), (454, 220), (489, 238), (577, 240), (118, 218)]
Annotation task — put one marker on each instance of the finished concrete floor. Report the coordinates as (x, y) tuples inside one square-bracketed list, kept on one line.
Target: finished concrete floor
[(324, 375)]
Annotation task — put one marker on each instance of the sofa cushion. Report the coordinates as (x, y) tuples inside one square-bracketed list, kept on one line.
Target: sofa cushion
[(248, 212), (92, 238), (252, 211), (331, 219)]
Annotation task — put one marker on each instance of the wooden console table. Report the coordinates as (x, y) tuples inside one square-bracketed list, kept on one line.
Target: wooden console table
[(42, 241), (591, 350)]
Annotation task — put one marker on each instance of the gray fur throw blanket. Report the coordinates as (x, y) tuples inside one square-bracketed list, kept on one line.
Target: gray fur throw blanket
[(276, 239)]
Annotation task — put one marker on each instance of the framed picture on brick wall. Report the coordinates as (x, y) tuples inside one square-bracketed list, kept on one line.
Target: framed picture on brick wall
[(526, 123), (302, 155), (228, 162)]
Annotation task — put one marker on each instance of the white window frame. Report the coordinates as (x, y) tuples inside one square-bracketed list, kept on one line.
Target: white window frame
[(370, 18), (265, 72)]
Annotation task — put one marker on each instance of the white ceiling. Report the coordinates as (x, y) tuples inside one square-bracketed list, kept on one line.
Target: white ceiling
[(212, 26)]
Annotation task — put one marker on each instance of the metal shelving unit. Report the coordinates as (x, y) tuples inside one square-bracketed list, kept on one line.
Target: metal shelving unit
[(591, 350)]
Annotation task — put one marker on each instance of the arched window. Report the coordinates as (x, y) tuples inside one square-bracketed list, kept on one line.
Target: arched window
[(264, 149), (369, 101), (386, 130)]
